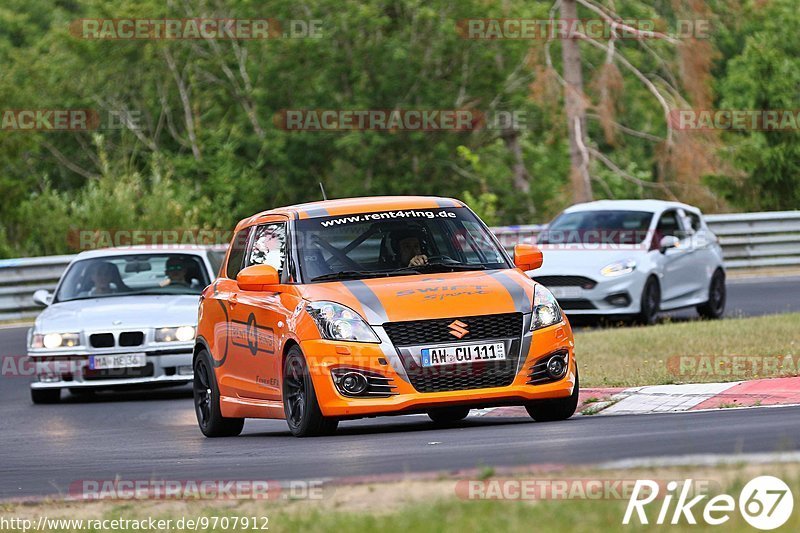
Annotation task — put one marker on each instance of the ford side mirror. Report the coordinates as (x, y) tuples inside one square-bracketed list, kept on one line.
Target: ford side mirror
[(258, 278), (42, 297), (668, 242), (527, 257)]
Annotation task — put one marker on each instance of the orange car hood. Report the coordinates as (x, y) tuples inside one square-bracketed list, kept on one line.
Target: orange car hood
[(428, 296)]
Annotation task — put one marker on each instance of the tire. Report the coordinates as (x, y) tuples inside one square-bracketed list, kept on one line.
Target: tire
[(650, 304), (714, 308), (448, 415), (207, 401), (45, 396), (300, 405), (555, 410)]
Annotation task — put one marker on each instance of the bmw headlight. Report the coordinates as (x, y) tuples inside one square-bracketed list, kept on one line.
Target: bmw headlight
[(55, 340), (619, 268), (178, 334), (339, 323), (546, 311)]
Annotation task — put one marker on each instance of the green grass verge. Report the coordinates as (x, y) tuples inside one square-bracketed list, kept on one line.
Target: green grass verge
[(626, 357)]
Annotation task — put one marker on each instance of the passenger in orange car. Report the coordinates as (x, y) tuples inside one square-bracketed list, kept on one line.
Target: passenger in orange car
[(360, 307)]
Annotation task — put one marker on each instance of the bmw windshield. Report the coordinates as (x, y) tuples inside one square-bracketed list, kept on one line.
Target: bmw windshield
[(128, 275), (401, 242)]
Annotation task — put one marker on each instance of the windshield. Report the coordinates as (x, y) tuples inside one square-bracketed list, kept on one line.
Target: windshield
[(395, 243), (126, 275), (598, 227)]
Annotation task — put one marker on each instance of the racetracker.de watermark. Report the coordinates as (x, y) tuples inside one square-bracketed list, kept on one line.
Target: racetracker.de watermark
[(559, 489), (195, 28), (735, 119), (94, 239), (68, 120), (194, 489), (591, 28), (429, 120), (737, 366)]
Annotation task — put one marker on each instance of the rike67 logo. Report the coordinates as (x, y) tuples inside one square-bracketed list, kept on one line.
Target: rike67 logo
[(765, 503)]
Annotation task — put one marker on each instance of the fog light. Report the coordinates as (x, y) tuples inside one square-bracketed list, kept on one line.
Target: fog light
[(619, 300), (185, 370), (556, 367), (353, 383)]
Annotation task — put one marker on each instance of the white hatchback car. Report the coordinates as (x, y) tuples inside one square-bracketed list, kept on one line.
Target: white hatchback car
[(631, 259)]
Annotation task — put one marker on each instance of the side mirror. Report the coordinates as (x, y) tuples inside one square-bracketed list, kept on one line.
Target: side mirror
[(42, 297), (527, 257), (257, 278), (668, 242)]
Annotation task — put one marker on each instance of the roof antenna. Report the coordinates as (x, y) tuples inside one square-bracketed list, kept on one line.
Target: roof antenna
[(324, 196)]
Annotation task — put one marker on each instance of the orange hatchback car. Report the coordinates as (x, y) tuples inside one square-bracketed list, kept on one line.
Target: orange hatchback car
[(362, 307)]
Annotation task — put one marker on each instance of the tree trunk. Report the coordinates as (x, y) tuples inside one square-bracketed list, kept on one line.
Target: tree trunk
[(574, 106)]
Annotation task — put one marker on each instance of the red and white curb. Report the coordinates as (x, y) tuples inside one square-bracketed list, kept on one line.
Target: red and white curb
[(677, 398)]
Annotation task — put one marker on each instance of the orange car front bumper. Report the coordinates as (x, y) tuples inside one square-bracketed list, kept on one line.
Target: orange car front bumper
[(325, 356)]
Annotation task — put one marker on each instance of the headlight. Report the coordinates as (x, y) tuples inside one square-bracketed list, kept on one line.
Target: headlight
[(619, 268), (546, 310), (55, 340), (339, 323), (180, 334)]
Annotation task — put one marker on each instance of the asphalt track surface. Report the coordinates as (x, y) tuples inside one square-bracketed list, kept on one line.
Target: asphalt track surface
[(153, 435)]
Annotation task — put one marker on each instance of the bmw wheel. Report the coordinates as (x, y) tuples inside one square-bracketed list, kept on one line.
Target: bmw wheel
[(45, 396), (300, 405), (206, 402), (715, 306)]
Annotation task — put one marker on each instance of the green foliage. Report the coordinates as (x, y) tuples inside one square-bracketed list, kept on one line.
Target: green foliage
[(206, 151)]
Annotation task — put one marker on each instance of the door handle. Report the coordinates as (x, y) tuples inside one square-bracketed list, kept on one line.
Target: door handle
[(233, 300)]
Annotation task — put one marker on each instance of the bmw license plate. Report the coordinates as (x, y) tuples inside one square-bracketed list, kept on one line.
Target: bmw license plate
[(128, 360), (465, 353)]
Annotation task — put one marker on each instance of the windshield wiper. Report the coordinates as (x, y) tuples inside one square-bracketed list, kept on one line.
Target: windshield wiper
[(347, 274), (435, 267)]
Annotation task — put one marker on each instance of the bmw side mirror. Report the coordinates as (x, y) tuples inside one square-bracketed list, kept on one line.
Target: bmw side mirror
[(668, 242), (258, 278), (42, 297), (527, 257)]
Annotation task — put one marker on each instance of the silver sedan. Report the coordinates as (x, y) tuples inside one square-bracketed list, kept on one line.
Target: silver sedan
[(120, 318), (632, 259)]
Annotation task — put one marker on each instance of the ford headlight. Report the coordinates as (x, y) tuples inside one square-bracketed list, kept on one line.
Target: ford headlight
[(178, 334), (339, 323), (619, 268), (55, 340), (546, 311)]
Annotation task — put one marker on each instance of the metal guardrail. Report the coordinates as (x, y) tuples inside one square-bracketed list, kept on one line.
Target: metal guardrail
[(20, 278), (748, 240)]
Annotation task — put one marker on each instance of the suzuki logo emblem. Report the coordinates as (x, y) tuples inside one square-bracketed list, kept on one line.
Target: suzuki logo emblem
[(458, 329)]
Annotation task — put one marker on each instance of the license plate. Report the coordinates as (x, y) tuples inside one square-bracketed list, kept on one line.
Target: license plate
[(467, 353), (131, 360), (566, 292)]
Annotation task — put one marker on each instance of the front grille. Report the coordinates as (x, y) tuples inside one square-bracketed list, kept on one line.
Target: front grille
[(575, 305), (119, 373), (566, 281), (102, 340), (483, 327), (131, 338)]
